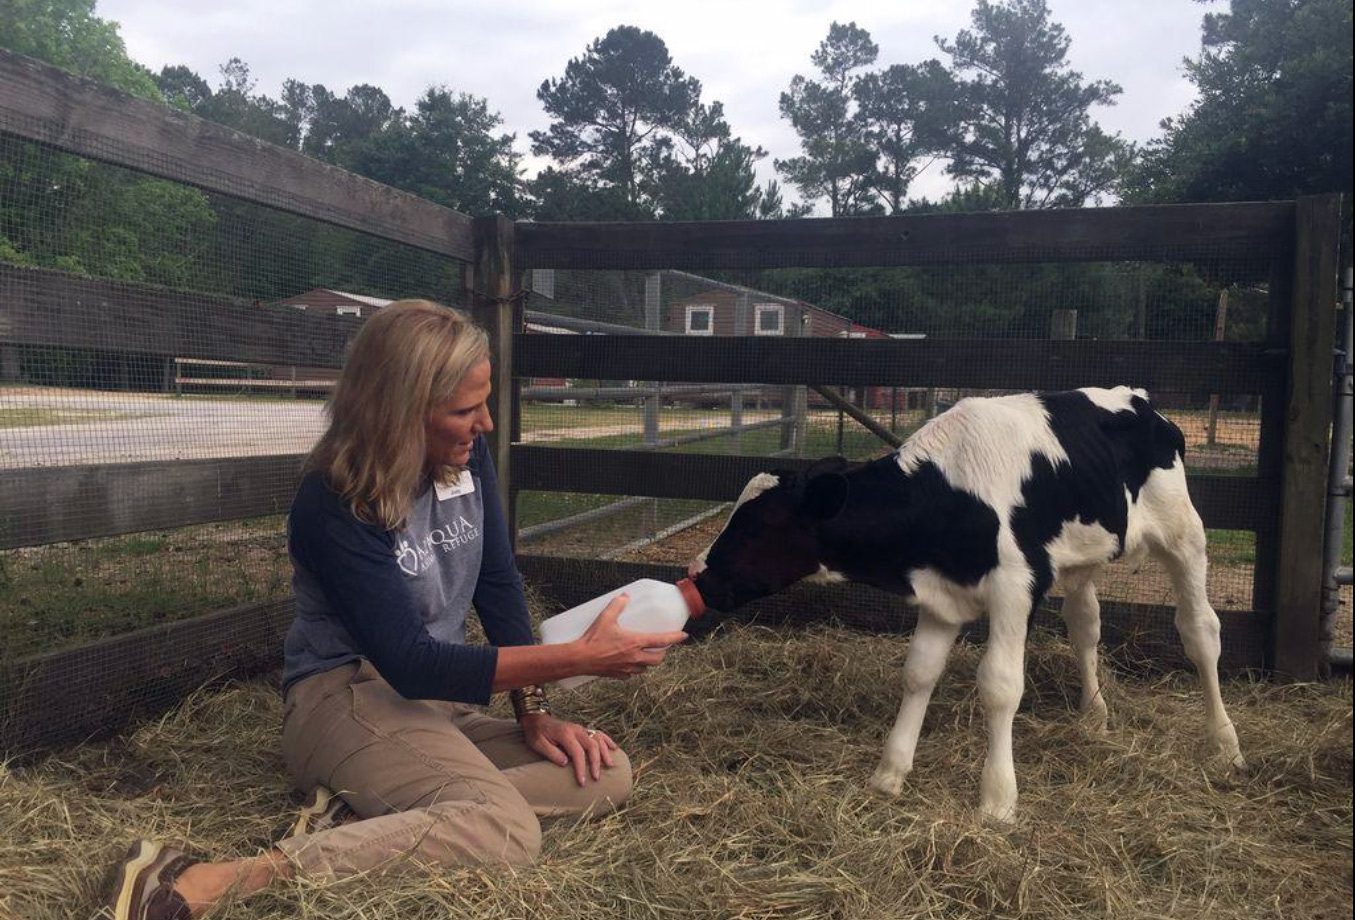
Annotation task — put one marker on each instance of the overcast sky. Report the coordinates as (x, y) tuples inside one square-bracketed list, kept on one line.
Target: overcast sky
[(744, 52)]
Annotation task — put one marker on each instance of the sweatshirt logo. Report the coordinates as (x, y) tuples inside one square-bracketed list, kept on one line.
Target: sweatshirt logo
[(414, 559), (407, 557)]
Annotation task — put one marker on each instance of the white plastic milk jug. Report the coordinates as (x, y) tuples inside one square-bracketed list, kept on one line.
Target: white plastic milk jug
[(654, 606)]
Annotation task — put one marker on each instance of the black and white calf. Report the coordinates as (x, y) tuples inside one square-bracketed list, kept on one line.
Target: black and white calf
[(981, 511)]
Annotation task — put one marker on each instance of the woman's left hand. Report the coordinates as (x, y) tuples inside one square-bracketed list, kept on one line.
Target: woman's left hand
[(565, 743)]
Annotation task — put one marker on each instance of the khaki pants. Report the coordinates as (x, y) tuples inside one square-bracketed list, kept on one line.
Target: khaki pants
[(436, 783)]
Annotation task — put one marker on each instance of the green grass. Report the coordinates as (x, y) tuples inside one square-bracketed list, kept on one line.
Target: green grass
[(821, 438), (539, 507), (132, 546), (27, 417), (68, 594), (549, 416), (1231, 547)]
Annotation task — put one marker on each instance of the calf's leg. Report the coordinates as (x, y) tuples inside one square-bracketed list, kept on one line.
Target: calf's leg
[(1082, 613), (1198, 625), (927, 652), (1001, 678)]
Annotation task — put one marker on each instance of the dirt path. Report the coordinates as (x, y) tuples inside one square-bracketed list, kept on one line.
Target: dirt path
[(669, 426)]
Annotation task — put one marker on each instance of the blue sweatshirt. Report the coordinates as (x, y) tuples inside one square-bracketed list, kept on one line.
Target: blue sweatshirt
[(399, 598)]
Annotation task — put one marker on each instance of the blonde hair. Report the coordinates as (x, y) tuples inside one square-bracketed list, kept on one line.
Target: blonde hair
[(408, 358)]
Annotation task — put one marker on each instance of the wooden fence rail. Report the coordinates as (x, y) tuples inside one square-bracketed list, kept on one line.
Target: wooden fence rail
[(42, 307), (1152, 233), (1224, 502), (50, 504), (42, 103), (1176, 367)]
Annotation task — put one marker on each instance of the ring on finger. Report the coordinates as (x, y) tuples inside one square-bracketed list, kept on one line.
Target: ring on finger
[(591, 732)]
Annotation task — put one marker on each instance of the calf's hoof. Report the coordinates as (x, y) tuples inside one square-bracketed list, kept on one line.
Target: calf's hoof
[(1002, 817), (1095, 718), (888, 779), (1225, 743)]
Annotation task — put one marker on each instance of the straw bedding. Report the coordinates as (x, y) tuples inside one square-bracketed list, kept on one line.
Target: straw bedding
[(752, 751)]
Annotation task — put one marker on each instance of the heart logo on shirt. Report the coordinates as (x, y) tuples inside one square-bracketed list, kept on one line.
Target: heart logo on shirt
[(407, 558)]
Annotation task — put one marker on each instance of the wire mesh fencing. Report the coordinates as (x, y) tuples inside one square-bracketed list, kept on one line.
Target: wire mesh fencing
[(959, 310), (172, 318), (165, 356)]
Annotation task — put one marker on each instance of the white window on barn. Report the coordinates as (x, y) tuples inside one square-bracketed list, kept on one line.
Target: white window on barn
[(700, 319), (348, 311), (771, 319)]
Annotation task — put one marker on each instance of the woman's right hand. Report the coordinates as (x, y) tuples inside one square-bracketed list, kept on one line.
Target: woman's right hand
[(607, 650)]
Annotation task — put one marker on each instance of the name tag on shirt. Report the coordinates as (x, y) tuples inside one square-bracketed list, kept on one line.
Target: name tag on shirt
[(464, 484)]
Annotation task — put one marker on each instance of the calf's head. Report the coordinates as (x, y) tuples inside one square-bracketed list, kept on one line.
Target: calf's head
[(771, 539)]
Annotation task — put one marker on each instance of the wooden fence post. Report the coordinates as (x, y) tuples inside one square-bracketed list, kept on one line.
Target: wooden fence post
[(787, 430), (742, 326), (1063, 325), (653, 325), (1220, 322), (653, 404), (1307, 427), (792, 428), (497, 307)]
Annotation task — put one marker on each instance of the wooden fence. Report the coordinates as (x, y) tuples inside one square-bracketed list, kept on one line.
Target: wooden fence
[(1290, 368), (1291, 371)]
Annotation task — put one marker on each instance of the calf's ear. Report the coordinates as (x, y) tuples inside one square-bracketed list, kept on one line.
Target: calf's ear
[(824, 495)]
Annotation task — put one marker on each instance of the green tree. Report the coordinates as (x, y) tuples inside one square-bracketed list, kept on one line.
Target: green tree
[(611, 113), (296, 106), (964, 199), (337, 128), (908, 116), (236, 105), (182, 88), (837, 162), (1273, 115), (62, 211), (1025, 114), (771, 204), (446, 151), (559, 195), (67, 34), (307, 117), (705, 173)]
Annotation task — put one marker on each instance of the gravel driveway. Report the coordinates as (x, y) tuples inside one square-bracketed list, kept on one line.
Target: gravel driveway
[(138, 426)]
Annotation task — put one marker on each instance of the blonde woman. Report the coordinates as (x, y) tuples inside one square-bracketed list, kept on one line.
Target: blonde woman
[(395, 533)]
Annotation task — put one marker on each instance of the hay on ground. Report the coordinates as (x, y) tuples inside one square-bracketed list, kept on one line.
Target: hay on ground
[(752, 752)]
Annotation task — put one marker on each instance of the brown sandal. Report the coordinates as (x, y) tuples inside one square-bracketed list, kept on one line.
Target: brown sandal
[(144, 884)]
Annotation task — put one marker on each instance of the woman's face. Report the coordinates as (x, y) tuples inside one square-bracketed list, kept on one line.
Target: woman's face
[(451, 427)]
